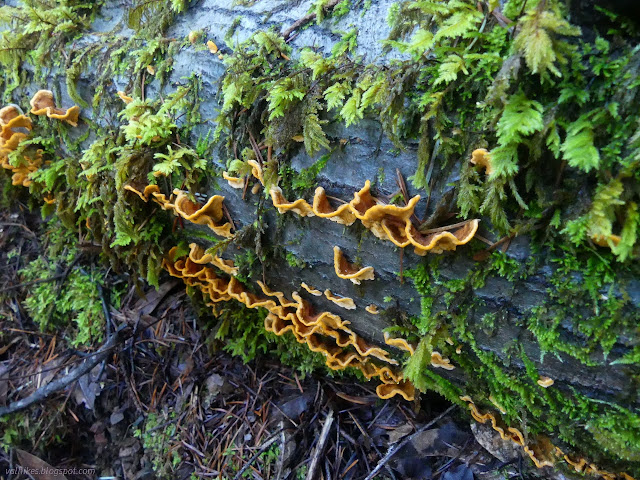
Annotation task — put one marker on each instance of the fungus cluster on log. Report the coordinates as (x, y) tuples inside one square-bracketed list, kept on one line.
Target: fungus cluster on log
[(326, 332), (322, 332), (16, 128), (541, 451), (210, 214), (385, 221)]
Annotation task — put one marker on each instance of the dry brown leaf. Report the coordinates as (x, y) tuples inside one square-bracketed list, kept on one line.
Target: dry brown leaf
[(38, 468)]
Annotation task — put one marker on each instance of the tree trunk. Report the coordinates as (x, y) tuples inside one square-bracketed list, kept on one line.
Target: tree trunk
[(511, 307)]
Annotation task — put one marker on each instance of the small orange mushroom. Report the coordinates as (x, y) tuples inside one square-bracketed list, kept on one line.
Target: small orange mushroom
[(438, 361), (311, 290), (482, 158), (545, 382), (43, 103), (347, 271), (344, 302), (372, 309)]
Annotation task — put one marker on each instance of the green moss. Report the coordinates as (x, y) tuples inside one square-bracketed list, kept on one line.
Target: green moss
[(510, 378), (294, 261)]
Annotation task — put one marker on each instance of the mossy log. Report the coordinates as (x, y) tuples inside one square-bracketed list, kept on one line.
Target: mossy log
[(522, 301)]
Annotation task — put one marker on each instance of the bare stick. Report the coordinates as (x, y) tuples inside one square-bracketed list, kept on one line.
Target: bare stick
[(393, 450), (306, 19), (260, 451), (446, 227), (34, 282), (322, 442), (42, 393)]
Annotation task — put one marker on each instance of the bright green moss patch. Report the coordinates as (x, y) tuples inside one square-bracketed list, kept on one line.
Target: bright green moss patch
[(507, 380)]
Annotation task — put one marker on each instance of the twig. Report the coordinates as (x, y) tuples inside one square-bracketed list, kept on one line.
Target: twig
[(446, 227), (260, 451), (107, 321), (59, 384), (14, 224), (34, 282), (306, 19), (393, 450), (322, 442), (256, 149)]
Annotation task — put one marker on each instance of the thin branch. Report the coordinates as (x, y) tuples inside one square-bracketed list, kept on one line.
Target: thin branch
[(260, 451), (56, 385), (393, 450), (34, 282), (322, 442), (306, 19)]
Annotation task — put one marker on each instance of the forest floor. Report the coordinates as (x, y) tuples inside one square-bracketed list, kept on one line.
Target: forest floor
[(168, 402)]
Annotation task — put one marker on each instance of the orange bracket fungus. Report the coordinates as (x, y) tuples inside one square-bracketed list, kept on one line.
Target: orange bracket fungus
[(256, 170), (43, 103), (323, 209), (198, 255), (300, 206), (545, 382), (482, 158), (372, 309), (541, 451), (438, 361), (386, 390), (439, 241), (370, 210), (387, 222), (210, 214), (125, 98), (311, 290), (16, 128), (213, 48), (347, 271), (344, 302), (606, 240), (400, 343), (234, 182), (146, 193), (323, 332), (8, 113)]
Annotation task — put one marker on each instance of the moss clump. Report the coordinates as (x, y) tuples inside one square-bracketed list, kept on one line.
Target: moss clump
[(509, 378)]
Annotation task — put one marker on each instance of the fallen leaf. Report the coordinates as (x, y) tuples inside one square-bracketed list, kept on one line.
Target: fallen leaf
[(87, 390), (461, 472), (151, 300), (399, 433), (38, 468), (116, 417)]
